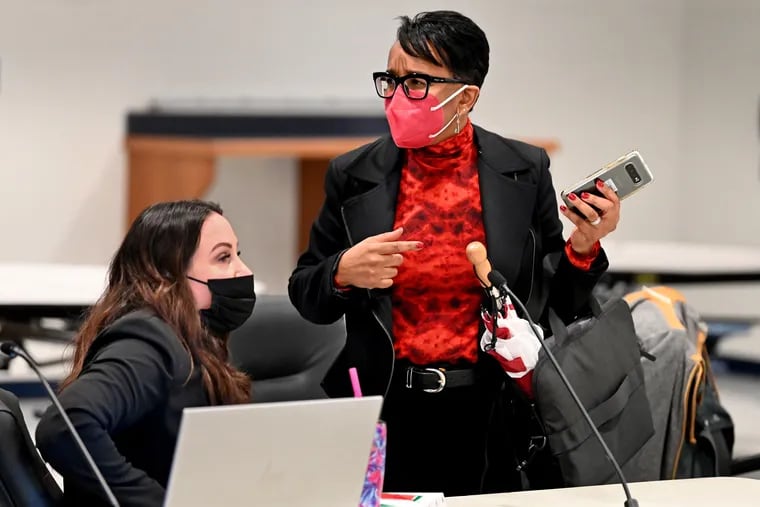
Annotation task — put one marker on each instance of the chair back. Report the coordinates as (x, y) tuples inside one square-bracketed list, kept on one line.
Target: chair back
[(286, 356), (24, 478)]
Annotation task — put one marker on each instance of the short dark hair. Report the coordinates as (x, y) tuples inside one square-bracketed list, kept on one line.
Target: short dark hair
[(448, 39)]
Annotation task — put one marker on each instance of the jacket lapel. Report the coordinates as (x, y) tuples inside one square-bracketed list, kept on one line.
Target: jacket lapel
[(374, 211), (507, 202)]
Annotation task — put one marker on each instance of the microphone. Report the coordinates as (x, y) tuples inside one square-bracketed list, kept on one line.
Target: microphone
[(12, 350), (500, 283), (476, 254)]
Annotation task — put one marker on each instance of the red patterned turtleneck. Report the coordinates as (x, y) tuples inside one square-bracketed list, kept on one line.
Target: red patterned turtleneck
[(436, 299)]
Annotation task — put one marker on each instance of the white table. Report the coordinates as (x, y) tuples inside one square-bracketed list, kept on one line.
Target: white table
[(64, 285), (708, 492), (685, 260), (29, 292), (32, 292), (54, 285), (721, 281)]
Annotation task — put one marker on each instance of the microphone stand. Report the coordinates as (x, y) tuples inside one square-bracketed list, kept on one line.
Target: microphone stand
[(497, 302)]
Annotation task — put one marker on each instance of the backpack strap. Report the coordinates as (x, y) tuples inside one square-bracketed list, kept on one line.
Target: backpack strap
[(663, 298), (719, 445)]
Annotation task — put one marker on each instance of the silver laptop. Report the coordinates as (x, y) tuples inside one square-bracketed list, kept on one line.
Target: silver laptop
[(306, 453)]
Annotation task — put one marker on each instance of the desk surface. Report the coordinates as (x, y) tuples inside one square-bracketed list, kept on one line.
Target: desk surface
[(81, 285), (733, 491), (682, 258), (55, 285), (46, 284)]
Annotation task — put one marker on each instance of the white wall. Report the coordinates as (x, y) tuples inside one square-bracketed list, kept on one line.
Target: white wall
[(720, 124), (602, 76)]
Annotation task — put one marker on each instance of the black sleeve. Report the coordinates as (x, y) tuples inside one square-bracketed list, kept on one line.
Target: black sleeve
[(311, 286), (127, 378), (570, 287)]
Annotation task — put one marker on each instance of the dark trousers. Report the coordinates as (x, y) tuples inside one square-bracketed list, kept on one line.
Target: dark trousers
[(461, 441)]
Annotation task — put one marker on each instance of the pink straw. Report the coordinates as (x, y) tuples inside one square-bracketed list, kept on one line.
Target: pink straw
[(355, 382)]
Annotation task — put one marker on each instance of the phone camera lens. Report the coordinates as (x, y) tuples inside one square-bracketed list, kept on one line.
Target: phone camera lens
[(632, 173)]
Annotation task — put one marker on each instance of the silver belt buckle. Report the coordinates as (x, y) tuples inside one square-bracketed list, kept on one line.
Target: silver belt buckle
[(441, 379)]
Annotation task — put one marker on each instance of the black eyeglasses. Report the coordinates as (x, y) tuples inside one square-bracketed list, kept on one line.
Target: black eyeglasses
[(415, 85)]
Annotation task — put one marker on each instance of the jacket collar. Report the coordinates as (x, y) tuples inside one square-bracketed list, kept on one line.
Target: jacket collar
[(507, 203), (495, 153), (383, 157)]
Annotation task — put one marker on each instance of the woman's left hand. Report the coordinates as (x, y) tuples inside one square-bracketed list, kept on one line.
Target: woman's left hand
[(596, 224)]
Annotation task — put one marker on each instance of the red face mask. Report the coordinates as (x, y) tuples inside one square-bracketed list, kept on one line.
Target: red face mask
[(416, 123)]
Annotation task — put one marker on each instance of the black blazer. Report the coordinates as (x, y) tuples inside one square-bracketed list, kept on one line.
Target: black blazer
[(126, 405), (523, 237)]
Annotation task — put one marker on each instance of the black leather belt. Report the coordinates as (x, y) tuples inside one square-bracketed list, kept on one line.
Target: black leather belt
[(435, 380)]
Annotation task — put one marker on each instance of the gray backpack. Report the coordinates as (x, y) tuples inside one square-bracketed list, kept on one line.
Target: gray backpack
[(694, 432)]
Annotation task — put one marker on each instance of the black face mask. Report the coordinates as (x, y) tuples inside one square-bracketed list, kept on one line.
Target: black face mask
[(232, 302)]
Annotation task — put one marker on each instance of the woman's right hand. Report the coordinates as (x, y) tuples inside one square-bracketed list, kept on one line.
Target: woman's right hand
[(373, 262)]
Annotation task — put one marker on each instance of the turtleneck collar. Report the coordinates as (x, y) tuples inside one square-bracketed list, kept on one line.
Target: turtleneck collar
[(458, 146)]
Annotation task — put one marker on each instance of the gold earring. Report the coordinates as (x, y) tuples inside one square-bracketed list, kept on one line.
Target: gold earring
[(456, 130)]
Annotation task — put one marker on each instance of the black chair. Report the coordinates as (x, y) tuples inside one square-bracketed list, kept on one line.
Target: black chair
[(285, 355), (24, 478)]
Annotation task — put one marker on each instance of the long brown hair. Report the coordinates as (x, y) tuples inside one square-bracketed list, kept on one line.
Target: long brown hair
[(149, 271)]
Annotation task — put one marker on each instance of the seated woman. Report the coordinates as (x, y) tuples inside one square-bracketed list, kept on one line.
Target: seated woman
[(153, 344)]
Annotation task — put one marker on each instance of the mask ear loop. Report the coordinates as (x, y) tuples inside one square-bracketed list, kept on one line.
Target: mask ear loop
[(450, 98), (453, 118)]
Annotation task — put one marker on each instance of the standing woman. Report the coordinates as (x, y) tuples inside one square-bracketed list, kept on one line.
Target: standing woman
[(388, 251), (153, 344)]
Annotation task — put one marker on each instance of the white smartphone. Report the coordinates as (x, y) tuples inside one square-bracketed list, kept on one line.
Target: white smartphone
[(626, 176)]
